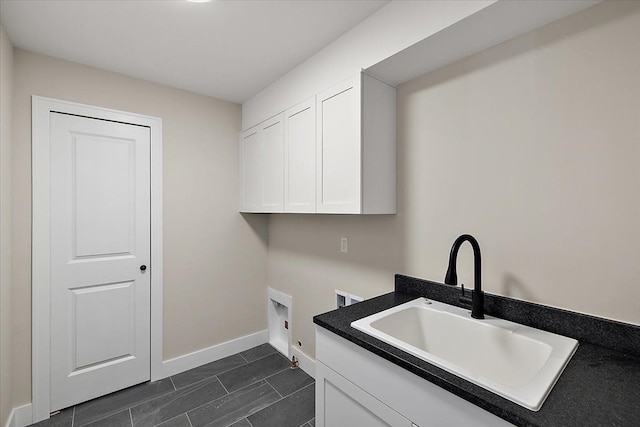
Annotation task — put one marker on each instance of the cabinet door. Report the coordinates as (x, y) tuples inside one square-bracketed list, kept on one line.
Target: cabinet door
[(340, 403), (250, 171), (339, 147), (300, 158), (272, 138)]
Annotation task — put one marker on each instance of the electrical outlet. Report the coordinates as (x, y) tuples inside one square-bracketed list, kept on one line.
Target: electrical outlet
[(344, 245)]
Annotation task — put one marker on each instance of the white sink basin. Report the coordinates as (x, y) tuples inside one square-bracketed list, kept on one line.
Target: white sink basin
[(517, 362)]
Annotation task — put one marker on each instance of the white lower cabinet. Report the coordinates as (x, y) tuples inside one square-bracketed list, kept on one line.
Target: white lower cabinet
[(346, 404), (356, 388)]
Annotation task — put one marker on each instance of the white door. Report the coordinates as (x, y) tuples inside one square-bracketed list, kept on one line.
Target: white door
[(100, 248), (300, 158)]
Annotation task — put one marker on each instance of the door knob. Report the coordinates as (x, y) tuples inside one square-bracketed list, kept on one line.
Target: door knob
[(143, 267)]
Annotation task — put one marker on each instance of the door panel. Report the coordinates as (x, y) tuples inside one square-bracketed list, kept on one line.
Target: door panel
[(300, 158), (272, 136), (105, 311), (339, 149), (100, 236), (103, 226), (346, 411), (341, 403), (251, 158)]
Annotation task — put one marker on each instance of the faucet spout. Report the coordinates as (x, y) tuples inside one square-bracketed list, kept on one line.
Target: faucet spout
[(451, 278)]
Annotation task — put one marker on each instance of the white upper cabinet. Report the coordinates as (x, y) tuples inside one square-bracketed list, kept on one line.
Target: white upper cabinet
[(334, 153), (356, 148), (262, 167), (300, 158)]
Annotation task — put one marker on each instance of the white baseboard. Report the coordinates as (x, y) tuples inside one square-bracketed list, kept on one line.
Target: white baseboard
[(201, 357), (21, 416), (305, 363)]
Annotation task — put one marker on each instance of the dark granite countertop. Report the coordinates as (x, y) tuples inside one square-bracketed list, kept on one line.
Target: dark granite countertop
[(599, 387)]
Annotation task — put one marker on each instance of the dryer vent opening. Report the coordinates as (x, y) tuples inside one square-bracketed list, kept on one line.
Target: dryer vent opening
[(279, 312)]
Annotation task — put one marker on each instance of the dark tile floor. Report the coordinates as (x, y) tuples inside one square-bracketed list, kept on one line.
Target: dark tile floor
[(254, 388)]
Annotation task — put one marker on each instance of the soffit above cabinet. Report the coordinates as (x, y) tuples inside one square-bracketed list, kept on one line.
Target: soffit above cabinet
[(489, 27)]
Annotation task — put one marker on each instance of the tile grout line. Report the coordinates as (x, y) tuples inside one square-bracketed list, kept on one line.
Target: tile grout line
[(258, 358), (281, 399), (257, 381), (101, 418), (224, 372), (262, 357), (240, 389), (216, 377), (273, 403), (220, 381), (209, 377), (276, 373), (204, 404), (249, 385), (228, 394), (178, 392), (196, 383), (279, 372), (295, 391), (301, 388), (129, 408), (171, 419), (274, 389), (145, 400), (270, 385), (284, 397)]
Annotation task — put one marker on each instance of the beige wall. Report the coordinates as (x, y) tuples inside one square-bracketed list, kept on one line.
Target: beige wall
[(214, 258), (6, 86), (533, 147)]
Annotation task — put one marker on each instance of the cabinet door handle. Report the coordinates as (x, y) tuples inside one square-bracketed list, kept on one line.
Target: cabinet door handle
[(143, 267)]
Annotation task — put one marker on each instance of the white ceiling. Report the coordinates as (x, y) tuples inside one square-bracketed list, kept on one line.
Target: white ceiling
[(225, 49)]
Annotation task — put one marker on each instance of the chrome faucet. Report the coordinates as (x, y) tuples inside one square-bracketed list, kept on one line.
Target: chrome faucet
[(451, 278)]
